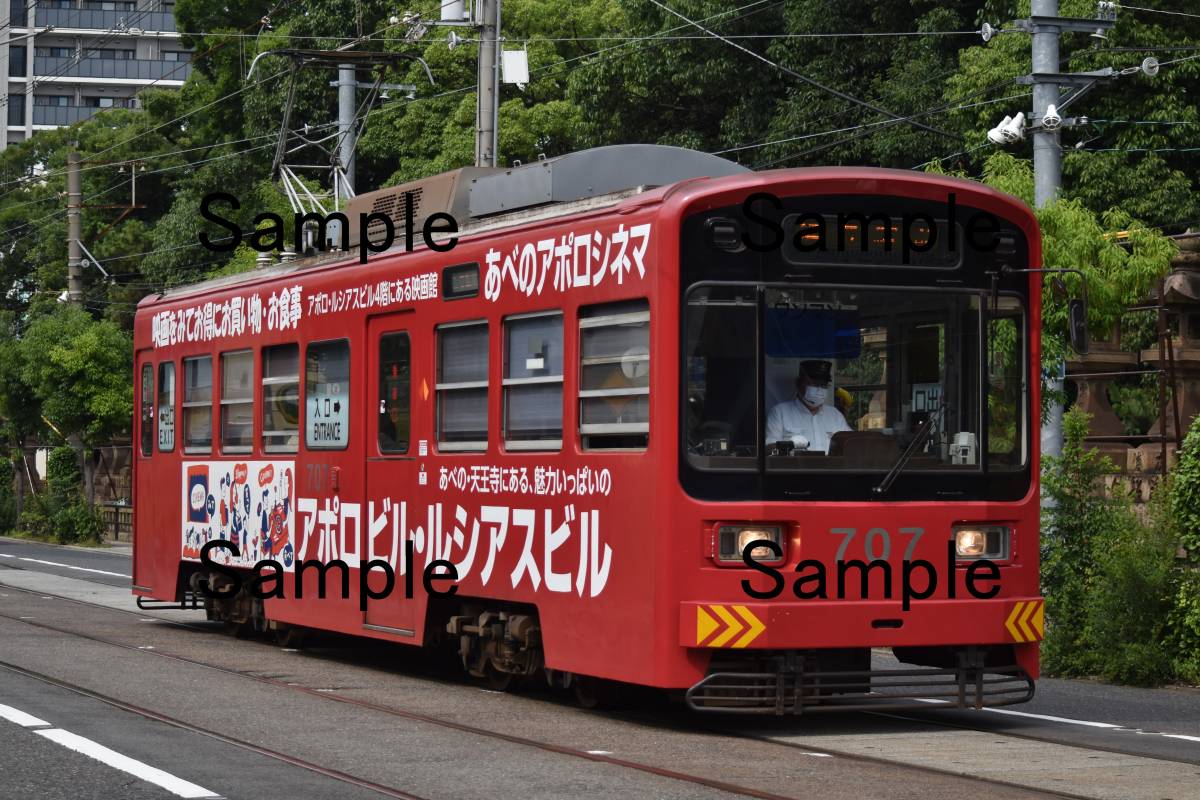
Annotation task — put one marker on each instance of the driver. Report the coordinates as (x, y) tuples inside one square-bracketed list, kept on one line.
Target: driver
[(807, 415)]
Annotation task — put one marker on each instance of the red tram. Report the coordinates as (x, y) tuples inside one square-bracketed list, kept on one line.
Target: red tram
[(594, 407)]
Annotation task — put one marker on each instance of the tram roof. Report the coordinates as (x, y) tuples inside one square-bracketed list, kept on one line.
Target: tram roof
[(578, 183)]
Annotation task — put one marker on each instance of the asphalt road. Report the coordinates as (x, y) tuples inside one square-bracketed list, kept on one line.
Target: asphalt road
[(356, 718), (111, 567)]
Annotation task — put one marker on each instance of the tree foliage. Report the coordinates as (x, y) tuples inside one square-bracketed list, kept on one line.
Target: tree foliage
[(601, 72), (79, 370)]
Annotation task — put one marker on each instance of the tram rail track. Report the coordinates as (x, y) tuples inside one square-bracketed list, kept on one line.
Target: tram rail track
[(360, 703), (694, 724)]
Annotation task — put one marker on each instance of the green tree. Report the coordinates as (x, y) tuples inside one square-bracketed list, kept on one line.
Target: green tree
[(79, 369), (20, 410), (1075, 237), (1115, 167)]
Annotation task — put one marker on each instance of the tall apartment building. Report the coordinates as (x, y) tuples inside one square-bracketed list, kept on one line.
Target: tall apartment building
[(65, 60)]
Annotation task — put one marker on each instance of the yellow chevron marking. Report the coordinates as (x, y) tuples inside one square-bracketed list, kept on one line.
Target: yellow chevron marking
[(734, 627), (756, 626), (705, 625), (1024, 621), (1039, 621), (1010, 623)]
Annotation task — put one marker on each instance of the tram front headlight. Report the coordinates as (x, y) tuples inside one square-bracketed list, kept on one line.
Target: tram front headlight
[(734, 539), (981, 541)]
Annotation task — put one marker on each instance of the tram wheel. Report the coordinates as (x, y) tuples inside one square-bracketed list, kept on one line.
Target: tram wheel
[(290, 636), (498, 681), (594, 693), (238, 630)]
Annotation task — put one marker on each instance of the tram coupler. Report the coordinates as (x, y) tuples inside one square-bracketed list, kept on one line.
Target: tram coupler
[(190, 601)]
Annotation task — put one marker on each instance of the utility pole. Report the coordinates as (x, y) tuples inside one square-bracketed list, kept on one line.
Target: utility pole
[(74, 229), (1047, 174), (487, 104), (1047, 153), (347, 117), (1048, 82)]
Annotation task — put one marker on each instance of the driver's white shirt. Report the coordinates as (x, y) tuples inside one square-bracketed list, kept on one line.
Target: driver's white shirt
[(793, 418)]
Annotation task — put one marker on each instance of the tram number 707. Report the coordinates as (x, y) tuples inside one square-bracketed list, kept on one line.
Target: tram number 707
[(877, 543)]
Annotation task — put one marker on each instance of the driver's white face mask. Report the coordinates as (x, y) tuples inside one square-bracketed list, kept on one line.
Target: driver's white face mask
[(814, 395)]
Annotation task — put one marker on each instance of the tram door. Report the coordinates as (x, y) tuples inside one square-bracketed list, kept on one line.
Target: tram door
[(392, 467)]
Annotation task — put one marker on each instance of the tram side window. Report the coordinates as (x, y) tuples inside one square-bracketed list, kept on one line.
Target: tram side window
[(327, 395), (281, 398), (614, 378), (147, 409), (166, 406), (197, 404), (237, 402), (462, 384), (533, 381), (394, 381)]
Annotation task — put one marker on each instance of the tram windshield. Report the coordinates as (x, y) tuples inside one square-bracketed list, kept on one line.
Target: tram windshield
[(839, 378)]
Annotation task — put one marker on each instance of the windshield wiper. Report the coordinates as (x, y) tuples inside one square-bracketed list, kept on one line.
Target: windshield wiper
[(918, 440)]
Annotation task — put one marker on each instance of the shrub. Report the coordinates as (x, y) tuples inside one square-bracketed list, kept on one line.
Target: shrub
[(37, 519), (78, 522), (62, 475), (8, 503), (1132, 596), (1185, 491), (1079, 513), (1184, 625)]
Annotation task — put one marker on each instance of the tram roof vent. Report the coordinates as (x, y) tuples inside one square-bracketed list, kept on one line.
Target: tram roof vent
[(590, 173), (445, 193)]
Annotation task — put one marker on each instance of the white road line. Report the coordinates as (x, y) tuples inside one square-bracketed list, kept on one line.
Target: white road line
[(20, 717), (72, 566), (1069, 721), (1050, 718), (1046, 717), (174, 785)]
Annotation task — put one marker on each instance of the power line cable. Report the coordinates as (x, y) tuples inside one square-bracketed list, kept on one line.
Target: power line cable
[(1158, 11), (74, 61), (882, 34), (817, 84)]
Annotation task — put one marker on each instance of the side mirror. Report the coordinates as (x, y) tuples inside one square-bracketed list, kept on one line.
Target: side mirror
[(1077, 325)]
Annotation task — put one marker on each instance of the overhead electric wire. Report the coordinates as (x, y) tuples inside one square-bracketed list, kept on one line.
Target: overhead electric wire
[(74, 61), (742, 11), (880, 34), (1123, 71), (118, 185), (884, 124), (860, 126), (1134, 149), (137, 136), (817, 84), (1158, 11)]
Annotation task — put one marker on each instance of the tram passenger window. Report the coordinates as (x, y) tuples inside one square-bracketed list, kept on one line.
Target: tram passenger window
[(614, 380), (533, 379), (147, 409), (237, 402), (197, 404), (327, 395), (462, 382), (281, 398), (166, 406), (394, 377)]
